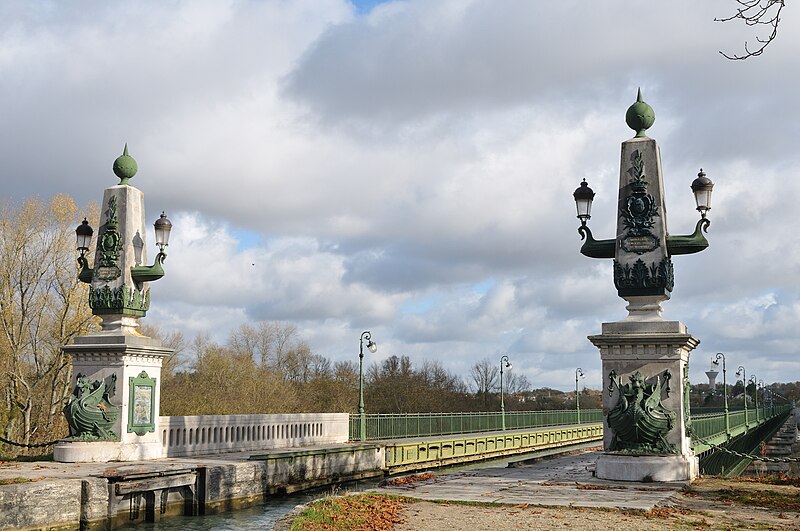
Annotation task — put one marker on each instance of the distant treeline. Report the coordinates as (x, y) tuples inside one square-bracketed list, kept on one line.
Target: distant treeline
[(268, 368)]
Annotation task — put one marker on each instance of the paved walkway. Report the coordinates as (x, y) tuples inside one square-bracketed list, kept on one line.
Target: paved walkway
[(562, 481)]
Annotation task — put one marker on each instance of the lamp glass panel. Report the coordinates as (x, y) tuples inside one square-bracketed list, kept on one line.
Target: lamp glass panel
[(584, 207), (84, 241), (703, 199), (162, 235)]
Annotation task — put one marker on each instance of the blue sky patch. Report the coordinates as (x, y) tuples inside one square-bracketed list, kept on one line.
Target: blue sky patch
[(365, 6)]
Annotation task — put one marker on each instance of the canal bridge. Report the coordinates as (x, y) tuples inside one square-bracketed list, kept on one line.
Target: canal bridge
[(426, 440), (416, 441)]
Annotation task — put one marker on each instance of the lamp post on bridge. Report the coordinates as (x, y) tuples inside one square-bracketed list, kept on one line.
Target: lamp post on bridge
[(772, 399), (372, 347), (715, 361), (578, 372), (743, 373), (503, 359), (636, 371), (755, 394), (763, 399)]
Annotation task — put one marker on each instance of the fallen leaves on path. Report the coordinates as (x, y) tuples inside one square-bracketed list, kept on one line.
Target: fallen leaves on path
[(407, 480)]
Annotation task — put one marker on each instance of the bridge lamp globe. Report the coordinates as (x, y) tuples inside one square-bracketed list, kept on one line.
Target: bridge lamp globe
[(702, 187), (163, 227), (84, 236), (372, 346), (583, 201)]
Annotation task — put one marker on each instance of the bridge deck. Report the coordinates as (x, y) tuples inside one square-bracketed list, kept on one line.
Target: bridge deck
[(417, 453)]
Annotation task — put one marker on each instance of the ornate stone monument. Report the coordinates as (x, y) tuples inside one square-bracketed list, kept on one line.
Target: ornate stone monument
[(645, 358), (113, 411)]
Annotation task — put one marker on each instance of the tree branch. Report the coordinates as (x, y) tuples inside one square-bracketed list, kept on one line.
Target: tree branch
[(756, 13)]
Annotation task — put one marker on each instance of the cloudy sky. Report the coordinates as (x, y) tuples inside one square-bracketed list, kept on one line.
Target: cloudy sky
[(407, 167)]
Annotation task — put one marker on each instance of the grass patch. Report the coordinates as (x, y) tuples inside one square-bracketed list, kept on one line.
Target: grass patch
[(361, 512), (14, 481), (26, 458), (774, 479), (779, 501)]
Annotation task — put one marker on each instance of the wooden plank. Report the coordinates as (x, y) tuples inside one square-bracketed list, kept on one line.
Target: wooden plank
[(154, 483)]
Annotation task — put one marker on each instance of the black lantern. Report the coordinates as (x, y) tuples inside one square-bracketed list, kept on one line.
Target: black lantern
[(163, 227), (701, 187), (583, 200), (84, 236)]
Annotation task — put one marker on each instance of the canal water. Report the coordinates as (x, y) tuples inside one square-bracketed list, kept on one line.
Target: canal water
[(264, 515), (261, 517)]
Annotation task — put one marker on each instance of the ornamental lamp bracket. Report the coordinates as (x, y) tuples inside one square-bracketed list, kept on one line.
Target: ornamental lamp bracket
[(83, 236), (643, 248), (150, 273)]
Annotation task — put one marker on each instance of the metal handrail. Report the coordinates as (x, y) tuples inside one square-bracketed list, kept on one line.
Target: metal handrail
[(710, 425), (401, 425)]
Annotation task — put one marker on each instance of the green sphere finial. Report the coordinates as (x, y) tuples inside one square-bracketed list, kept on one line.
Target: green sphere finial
[(640, 116), (125, 167)]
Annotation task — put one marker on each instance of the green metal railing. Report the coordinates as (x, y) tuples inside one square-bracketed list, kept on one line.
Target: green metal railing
[(708, 426), (397, 426), (711, 426)]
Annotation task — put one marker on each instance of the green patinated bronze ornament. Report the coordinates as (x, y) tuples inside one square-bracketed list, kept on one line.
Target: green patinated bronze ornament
[(120, 300), (687, 391), (89, 411), (639, 420), (109, 246), (595, 248), (125, 167), (142, 403), (691, 243), (86, 273), (644, 279), (638, 211), (640, 116), (149, 273), (676, 245)]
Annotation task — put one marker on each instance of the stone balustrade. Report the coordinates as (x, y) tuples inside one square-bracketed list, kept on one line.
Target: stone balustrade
[(210, 434)]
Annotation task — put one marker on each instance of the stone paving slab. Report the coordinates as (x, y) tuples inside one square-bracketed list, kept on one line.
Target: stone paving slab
[(562, 481)]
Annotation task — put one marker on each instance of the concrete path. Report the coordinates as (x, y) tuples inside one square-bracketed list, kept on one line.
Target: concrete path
[(562, 481)]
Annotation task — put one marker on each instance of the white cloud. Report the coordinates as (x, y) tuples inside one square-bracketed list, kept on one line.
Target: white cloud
[(410, 169)]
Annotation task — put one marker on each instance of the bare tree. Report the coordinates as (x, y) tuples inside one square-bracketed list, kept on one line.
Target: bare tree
[(261, 341), (756, 13), (484, 375), (516, 383), (173, 340)]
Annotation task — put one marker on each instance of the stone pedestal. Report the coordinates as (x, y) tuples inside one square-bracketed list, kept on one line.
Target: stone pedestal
[(130, 368), (659, 351)]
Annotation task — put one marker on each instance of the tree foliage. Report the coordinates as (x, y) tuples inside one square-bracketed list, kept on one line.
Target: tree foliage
[(395, 386), (264, 367), (42, 306)]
